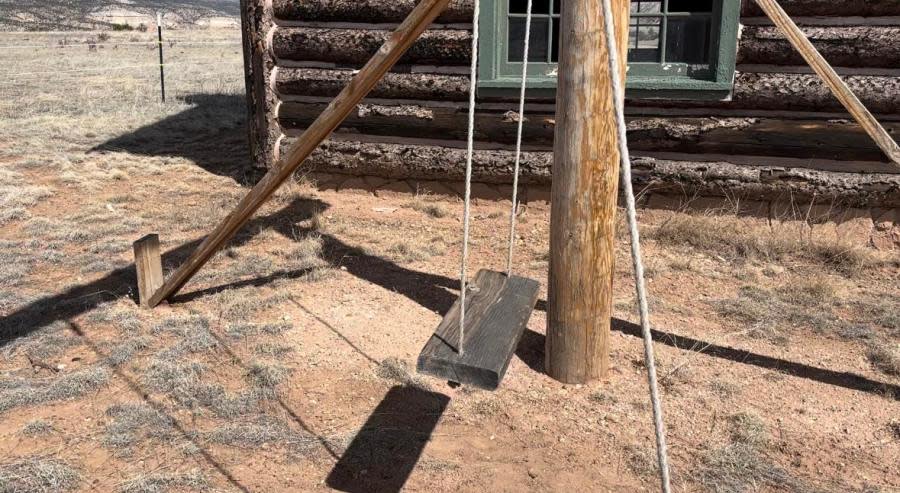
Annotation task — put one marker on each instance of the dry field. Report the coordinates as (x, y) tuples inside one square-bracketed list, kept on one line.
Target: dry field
[(286, 364)]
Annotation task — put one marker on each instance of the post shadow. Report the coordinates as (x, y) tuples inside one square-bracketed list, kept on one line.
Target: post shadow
[(531, 351), (385, 451), (212, 133)]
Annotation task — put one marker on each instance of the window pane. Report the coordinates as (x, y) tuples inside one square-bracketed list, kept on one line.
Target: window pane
[(556, 6), (540, 34), (687, 40), (537, 6), (646, 6), (690, 5), (644, 40)]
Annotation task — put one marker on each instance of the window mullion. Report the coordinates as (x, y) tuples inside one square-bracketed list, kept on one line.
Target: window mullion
[(663, 31)]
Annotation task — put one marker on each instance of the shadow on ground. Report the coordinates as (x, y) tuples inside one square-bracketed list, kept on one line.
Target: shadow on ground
[(431, 291), (211, 133), (386, 449)]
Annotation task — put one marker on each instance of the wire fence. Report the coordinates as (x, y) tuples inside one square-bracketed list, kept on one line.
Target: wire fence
[(38, 67)]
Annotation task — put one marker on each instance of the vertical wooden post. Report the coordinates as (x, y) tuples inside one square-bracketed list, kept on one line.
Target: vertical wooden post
[(584, 196), (257, 29), (148, 263), (162, 67)]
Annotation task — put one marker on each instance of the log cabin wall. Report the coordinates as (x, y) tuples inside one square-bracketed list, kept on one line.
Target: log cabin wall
[(781, 134)]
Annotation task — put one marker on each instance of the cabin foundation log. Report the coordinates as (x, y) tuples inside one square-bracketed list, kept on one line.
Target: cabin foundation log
[(717, 179)]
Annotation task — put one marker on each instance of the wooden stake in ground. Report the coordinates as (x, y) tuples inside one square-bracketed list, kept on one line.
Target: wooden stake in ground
[(834, 82), (584, 195), (418, 20), (148, 267)]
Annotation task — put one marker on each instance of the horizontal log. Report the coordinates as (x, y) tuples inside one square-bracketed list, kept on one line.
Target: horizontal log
[(856, 46), (842, 8), (368, 11), (328, 83), (881, 94), (757, 91), (356, 46), (813, 139), (414, 162), (460, 11)]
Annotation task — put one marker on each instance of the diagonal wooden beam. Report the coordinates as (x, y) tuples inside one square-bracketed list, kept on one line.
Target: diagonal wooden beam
[(415, 24), (834, 82)]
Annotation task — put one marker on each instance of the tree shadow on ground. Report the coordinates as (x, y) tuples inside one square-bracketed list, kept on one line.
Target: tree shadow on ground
[(386, 449), (211, 133)]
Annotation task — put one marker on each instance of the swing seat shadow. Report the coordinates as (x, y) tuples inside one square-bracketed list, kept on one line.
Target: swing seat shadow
[(387, 448)]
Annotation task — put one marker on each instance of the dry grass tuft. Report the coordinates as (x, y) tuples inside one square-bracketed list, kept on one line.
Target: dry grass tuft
[(133, 423), (185, 383), (800, 303), (264, 430), (119, 354), (160, 483), (193, 332), (885, 356), (730, 236), (641, 460), (36, 428), (267, 375), (396, 370), (37, 475), (741, 464), (26, 392), (241, 330), (272, 350), (415, 250), (428, 205)]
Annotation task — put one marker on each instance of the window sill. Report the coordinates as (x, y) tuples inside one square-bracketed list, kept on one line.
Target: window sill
[(637, 88)]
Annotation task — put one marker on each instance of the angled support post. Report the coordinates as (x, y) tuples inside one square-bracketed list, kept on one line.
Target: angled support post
[(402, 38), (838, 87)]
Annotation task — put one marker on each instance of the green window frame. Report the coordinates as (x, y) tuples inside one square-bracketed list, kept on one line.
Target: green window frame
[(712, 79)]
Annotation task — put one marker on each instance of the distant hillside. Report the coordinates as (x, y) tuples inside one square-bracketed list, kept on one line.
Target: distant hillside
[(45, 15)]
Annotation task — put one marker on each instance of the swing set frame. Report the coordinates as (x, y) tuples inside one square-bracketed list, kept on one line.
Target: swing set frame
[(584, 195)]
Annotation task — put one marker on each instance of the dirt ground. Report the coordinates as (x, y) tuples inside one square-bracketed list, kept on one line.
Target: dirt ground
[(287, 364)]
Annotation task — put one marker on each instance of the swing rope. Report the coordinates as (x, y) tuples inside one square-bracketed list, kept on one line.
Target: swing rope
[(515, 190), (622, 130), (470, 151)]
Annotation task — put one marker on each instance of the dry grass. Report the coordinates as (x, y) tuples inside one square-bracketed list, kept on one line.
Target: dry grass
[(885, 356), (264, 431), (132, 423), (28, 392), (267, 375), (37, 475), (741, 464), (801, 302), (397, 370), (36, 428), (733, 237), (428, 205), (163, 482)]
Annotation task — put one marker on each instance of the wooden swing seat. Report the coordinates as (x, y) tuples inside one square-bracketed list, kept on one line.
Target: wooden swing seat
[(497, 310)]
